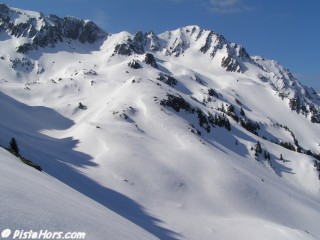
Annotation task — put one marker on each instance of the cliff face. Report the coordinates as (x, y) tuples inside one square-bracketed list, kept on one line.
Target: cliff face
[(46, 31)]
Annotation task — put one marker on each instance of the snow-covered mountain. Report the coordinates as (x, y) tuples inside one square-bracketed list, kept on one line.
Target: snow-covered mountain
[(183, 133)]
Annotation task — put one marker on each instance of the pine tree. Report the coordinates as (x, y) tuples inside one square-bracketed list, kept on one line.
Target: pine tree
[(222, 108), (14, 146), (230, 108), (81, 106), (258, 148), (242, 112), (227, 124)]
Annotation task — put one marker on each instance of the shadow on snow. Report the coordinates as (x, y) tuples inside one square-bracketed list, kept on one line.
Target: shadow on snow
[(57, 156)]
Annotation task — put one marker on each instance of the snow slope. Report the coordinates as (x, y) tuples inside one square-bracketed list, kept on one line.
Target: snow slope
[(142, 144), (31, 200)]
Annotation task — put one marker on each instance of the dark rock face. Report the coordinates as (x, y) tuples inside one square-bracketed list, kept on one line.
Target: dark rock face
[(53, 29), (216, 45), (152, 41), (243, 54), (134, 64), (4, 10), (139, 39), (138, 43), (315, 117), (71, 27), (171, 81), (23, 64), (230, 64), (132, 45), (149, 59), (178, 47), (90, 33), (123, 49), (237, 56)]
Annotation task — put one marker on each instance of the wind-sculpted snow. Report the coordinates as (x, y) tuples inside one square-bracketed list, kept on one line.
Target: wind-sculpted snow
[(182, 133)]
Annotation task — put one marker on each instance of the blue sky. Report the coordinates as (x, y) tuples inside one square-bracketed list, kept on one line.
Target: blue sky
[(285, 30)]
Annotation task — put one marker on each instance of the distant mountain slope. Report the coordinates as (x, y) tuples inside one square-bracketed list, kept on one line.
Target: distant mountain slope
[(182, 133)]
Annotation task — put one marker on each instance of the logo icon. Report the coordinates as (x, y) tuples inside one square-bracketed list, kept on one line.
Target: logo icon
[(6, 233)]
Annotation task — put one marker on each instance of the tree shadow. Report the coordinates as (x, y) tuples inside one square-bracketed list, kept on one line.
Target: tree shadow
[(279, 168), (25, 123), (182, 88), (58, 156), (115, 201), (161, 66), (4, 36), (232, 142)]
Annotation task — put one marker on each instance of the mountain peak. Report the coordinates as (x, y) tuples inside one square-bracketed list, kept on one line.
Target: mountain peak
[(190, 39), (46, 31)]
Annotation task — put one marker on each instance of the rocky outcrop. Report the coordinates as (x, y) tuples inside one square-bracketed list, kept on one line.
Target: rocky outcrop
[(230, 64), (131, 45), (134, 64), (47, 31), (149, 59)]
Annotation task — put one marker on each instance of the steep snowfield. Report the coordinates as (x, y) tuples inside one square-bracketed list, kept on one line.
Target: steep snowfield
[(31, 200), (126, 150)]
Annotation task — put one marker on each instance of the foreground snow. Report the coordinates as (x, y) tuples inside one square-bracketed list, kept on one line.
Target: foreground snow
[(31, 200)]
